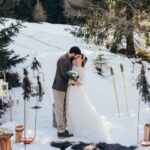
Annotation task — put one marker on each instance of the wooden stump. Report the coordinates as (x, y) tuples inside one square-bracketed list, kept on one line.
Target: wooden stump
[(5, 143), (19, 130), (147, 132)]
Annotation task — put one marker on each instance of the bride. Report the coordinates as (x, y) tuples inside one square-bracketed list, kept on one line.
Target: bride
[(82, 118)]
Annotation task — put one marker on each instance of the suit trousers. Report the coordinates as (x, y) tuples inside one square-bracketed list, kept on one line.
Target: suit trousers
[(59, 102)]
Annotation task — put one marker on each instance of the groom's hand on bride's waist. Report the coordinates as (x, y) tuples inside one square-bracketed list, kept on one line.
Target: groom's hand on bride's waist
[(73, 82)]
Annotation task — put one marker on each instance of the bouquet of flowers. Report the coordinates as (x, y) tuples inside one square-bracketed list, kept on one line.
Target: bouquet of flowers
[(73, 75)]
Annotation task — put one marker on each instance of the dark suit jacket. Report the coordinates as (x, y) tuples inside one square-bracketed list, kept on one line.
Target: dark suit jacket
[(61, 80)]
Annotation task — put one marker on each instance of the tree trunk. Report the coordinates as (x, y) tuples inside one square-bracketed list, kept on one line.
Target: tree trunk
[(129, 35), (130, 44)]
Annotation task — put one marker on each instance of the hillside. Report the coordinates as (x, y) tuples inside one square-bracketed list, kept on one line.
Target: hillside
[(48, 42)]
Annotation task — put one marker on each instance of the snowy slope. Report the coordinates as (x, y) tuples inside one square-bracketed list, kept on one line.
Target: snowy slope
[(48, 42)]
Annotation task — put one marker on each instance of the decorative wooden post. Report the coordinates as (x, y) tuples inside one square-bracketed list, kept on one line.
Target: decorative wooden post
[(125, 89), (147, 133), (26, 95), (115, 89), (146, 140), (5, 143), (19, 130)]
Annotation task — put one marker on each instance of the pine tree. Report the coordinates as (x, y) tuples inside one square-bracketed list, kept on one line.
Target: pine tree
[(143, 86), (35, 66), (7, 7), (24, 10), (100, 64), (98, 19), (8, 58), (51, 10), (55, 11), (39, 14), (26, 85), (40, 93)]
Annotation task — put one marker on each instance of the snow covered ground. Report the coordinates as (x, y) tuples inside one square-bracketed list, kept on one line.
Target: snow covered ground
[(48, 42)]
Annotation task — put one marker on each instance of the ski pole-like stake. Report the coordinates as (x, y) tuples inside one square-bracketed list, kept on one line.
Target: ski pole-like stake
[(138, 121), (25, 127), (26, 95), (10, 107), (116, 95), (140, 86), (38, 95), (125, 89), (35, 127)]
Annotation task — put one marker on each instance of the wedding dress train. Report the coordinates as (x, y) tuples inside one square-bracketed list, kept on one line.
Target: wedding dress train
[(82, 118)]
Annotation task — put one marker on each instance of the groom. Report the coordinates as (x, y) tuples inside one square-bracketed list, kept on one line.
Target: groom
[(60, 84)]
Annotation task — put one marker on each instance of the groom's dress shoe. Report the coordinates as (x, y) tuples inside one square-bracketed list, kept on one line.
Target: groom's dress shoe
[(67, 131), (64, 135)]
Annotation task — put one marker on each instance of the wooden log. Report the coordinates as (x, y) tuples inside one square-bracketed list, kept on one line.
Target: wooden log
[(18, 132), (147, 132), (5, 143)]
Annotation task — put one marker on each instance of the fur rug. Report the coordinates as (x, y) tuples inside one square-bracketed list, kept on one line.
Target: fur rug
[(90, 146)]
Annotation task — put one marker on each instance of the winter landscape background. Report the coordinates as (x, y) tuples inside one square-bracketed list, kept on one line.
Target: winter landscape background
[(48, 42)]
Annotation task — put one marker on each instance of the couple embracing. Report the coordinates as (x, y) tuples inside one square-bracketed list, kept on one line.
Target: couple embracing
[(82, 119)]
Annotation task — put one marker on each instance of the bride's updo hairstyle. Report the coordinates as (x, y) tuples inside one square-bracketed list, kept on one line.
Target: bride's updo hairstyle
[(84, 60)]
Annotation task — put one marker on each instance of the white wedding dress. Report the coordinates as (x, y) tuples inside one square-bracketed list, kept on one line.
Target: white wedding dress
[(82, 118)]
